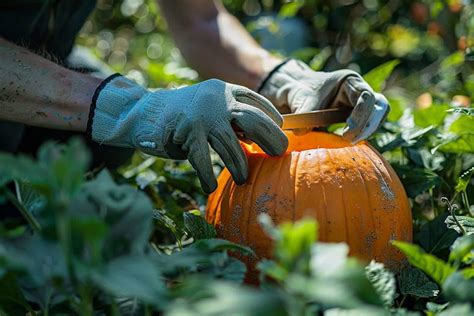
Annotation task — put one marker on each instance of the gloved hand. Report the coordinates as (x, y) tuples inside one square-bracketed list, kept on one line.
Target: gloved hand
[(293, 87), (180, 123)]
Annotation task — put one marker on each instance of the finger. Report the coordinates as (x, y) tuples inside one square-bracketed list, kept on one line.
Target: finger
[(367, 116), (259, 128), (200, 158), (182, 130), (227, 146), (247, 96), (351, 86)]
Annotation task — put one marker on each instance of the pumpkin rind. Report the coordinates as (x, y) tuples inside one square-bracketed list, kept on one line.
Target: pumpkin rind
[(351, 191)]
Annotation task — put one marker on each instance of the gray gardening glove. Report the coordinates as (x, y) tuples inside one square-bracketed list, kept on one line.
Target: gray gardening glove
[(294, 87), (180, 123)]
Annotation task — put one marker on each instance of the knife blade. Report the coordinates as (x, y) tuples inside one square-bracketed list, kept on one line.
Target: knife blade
[(313, 119)]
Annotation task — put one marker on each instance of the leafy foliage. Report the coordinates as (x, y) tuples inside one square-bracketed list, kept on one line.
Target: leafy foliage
[(133, 241)]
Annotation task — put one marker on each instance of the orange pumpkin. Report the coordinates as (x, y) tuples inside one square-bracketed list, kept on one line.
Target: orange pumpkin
[(351, 191)]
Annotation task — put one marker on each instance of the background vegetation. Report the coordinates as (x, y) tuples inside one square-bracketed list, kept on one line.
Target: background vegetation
[(93, 244)]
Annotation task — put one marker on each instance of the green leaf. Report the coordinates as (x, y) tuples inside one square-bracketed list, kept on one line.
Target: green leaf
[(436, 308), (132, 276), (12, 300), (383, 281), (197, 227), (461, 248), (296, 241), (416, 180), (463, 124), (463, 143), (434, 236), (347, 287), (360, 311), (414, 282), (290, 9), (458, 310), (458, 288), (468, 273), (199, 296), (214, 244), (126, 211), (431, 116), (377, 76), (466, 222), (328, 258), (206, 256), (435, 268)]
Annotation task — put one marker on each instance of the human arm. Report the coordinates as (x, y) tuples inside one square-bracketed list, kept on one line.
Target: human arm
[(35, 91), (217, 45), (177, 123)]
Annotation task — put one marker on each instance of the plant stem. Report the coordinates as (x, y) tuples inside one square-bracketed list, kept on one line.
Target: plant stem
[(402, 301), (24, 212)]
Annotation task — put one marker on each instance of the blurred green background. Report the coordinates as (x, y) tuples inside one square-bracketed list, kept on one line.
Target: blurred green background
[(131, 36)]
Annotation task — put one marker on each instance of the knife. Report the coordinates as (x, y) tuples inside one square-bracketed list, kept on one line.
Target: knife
[(313, 119)]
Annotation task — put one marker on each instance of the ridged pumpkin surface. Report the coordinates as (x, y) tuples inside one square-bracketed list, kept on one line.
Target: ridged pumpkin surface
[(351, 191)]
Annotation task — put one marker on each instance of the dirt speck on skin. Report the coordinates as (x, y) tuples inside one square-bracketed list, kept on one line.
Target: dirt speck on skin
[(42, 114)]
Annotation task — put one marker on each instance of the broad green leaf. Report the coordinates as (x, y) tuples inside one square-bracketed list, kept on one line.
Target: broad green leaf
[(434, 267), (206, 256), (436, 308), (199, 296), (377, 76), (197, 227), (468, 273), (461, 248), (328, 258), (130, 306), (214, 244), (12, 300), (416, 180), (463, 124), (434, 236), (290, 9), (458, 288), (132, 276), (126, 211), (463, 143), (454, 60), (431, 116), (296, 242), (465, 221), (346, 288), (414, 282), (458, 310), (360, 311), (397, 107), (383, 281)]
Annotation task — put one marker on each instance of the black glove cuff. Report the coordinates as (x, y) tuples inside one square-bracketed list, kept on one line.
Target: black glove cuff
[(260, 87), (93, 103)]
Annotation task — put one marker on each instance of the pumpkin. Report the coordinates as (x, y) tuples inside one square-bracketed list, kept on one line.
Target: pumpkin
[(351, 190)]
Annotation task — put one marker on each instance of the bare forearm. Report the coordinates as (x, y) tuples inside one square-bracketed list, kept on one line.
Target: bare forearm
[(35, 91), (215, 43)]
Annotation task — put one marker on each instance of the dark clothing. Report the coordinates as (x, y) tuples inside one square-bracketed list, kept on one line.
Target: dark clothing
[(47, 26), (44, 25)]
